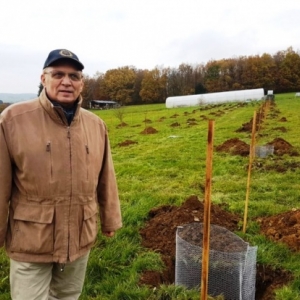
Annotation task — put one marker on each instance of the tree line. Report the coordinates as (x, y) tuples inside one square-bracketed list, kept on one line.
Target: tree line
[(130, 86)]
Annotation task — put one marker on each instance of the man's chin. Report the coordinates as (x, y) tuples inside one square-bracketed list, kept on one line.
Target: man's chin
[(66, 99)]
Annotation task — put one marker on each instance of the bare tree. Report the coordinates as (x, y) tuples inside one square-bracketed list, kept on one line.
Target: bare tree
[(119, 114)]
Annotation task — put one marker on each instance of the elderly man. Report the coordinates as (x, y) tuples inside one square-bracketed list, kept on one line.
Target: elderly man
[(56, 176)]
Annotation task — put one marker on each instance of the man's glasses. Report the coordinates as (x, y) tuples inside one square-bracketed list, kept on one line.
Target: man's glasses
[(75, 76)]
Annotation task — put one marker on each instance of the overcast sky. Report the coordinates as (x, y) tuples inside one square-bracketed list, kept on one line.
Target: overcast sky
[(108, 34)]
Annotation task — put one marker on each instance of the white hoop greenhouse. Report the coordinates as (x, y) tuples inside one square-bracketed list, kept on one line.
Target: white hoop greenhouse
[(212, 98)]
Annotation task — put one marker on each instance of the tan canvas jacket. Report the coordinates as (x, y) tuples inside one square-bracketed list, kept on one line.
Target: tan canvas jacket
[(54, 179)]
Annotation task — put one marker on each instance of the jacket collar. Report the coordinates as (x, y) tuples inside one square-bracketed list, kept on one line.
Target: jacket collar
[(56, 112)]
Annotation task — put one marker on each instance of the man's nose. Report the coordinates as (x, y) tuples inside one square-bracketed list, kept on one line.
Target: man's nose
[(66, 80)]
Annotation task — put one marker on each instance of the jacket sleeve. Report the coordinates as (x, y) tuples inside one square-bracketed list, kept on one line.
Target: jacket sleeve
[(107, 192), (5, 183)]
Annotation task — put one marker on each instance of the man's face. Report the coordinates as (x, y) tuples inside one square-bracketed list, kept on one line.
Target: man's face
[(63, 83)]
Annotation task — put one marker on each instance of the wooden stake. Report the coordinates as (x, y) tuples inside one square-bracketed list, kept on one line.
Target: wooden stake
[(259, 121), (207, 205), (251, 156)]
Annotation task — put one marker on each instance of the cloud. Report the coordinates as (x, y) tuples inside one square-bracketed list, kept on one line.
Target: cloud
[(111, 34)]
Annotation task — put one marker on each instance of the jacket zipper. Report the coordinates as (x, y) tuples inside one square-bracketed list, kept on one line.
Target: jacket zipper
[(70, 156)]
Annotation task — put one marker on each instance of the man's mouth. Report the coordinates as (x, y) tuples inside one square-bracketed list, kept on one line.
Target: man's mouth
[(63, 91)]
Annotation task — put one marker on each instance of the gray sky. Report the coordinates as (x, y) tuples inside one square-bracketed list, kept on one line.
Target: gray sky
[(108, 34)]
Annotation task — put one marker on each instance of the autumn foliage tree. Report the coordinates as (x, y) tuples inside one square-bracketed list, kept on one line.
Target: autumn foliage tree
[(288, 66), (153, 87), (119, 84), (127, 85)]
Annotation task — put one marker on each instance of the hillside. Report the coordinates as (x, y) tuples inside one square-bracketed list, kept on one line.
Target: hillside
[(12, 98)]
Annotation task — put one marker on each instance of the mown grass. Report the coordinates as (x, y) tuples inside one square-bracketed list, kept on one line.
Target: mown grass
[(169, 166)]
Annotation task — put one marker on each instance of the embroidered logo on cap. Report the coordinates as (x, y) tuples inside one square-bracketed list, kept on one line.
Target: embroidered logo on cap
[(66, 53)]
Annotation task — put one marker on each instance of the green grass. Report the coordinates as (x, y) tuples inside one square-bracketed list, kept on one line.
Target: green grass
[(169, 166)]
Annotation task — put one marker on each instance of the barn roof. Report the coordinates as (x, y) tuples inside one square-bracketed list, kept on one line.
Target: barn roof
[(104, 102)]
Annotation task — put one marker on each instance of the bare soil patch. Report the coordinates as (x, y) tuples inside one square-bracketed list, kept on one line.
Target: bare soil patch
[(149, 130), (282, 147), (281, 128), (278, 165), (123, 124), (126, 143), (237, 147), (283, 228), (161, 119), (191, 121), (234, 146), (247, 127), (174, 116), (159, 234), (283, 119)]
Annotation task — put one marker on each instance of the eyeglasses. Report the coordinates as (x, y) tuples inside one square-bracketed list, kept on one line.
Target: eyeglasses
[(75, 76)]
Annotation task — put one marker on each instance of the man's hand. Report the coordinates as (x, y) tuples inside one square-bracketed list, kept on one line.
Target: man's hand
[(108, 233)]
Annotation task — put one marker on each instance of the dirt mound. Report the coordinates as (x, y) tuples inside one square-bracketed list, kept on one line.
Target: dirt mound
[(192, 123), (126, 143), (281, 128), (237, 147), (161, 119), (165, 219), (284, 228), (283, 119), (123, 124), (149, 130), (176, 124), (277, 165), (234, 146), (174, 116), (282, 147), (247, 127), (268, 279), (203, 117)]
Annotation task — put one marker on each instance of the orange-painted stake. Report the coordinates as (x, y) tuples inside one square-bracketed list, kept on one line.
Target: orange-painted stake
[(207, 205), (251, 156)]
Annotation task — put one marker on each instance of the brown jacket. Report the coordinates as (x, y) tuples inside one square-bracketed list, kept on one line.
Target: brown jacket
[(53, 179)]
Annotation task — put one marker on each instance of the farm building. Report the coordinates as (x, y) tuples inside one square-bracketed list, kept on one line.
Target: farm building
[(103, 104), (213, 98)]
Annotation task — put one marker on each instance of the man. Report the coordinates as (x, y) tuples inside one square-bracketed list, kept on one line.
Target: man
[(56, 170)]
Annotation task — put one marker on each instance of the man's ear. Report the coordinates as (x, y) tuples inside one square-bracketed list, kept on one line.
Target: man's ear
[(82, 85), (43, 80)]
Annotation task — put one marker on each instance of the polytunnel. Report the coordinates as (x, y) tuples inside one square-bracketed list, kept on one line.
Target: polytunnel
[(213, 98)]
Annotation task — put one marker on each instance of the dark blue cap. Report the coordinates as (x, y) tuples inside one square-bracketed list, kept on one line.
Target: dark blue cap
[(62, 54)]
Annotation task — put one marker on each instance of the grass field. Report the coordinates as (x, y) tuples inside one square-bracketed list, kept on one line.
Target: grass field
[(166, 168)]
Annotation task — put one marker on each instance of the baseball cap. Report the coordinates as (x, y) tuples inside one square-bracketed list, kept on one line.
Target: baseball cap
[(64, 54)]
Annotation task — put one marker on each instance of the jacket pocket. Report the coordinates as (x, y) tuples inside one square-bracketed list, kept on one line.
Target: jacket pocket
[(32, 230), (90, 225)]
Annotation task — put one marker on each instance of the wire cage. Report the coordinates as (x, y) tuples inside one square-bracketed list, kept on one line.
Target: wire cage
[(232, 262)]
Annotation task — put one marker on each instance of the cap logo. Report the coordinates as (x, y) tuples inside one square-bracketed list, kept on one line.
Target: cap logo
[(65, 53)]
